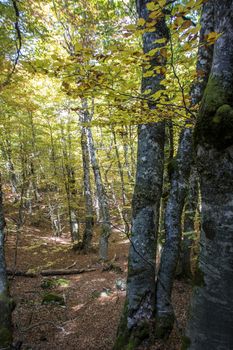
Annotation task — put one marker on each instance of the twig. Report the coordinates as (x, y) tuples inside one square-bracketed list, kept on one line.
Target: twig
[(39, 325)]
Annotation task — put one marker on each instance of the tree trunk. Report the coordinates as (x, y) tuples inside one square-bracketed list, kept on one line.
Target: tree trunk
[(5, 300), (179, 180), (123, 191), (70, 186), (189, 225), (210, 323), (139, 309), (100, 190), (173, 214), (89, 214)]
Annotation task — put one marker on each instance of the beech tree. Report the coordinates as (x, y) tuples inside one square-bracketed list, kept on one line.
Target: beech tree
[(5, 300), (139, 306), (210, 322), (180, 168)]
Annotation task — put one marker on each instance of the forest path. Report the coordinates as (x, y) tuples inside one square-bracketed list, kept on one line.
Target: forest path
[(92, 303)]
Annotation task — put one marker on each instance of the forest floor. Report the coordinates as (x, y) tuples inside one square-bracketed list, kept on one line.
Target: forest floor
[(92, 303)]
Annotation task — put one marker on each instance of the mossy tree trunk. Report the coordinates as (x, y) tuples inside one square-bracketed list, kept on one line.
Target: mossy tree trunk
[(180, 172), (211, 314), (139, 310), (5, 300)]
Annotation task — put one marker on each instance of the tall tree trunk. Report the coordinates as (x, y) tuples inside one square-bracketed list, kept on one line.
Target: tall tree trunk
[(5, 300), (100, 190), (34, 154), (172, 222), (7, 156), (139, 309), (123, 192), (70, 187), (180, 178), (89, 213), (189, 225), (211, 314)]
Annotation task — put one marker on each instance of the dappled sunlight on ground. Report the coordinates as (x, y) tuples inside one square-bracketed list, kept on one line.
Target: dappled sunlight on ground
[(92, 307)]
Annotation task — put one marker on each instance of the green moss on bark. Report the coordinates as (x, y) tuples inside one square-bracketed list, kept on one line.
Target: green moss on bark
[(5, 337), (186, 342), (6, 307), (130, 339), (164, 326), (199, 279), (215, 122)]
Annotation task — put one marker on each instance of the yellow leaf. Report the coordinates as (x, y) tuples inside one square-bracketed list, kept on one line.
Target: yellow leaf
[(160, 41), (141, 22), (130, 27), (148, 74), (147, 92), (162, 2), (78, 47), (151, 6), (154, 14)]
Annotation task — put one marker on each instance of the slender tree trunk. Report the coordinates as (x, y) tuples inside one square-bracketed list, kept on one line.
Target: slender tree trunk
[(181, 168), (70, 187), (32, 160), (139, 309), (7, 155), (89, 213), (123, 192), (100, 190), (5, 300), (170, 253), (189, 225), (210, 323)]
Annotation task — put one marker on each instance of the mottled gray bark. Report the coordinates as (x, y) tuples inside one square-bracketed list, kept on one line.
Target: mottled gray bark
[(9, 164), (171, 249), (180, 171), (70, 185), (189, 225), (89, 213), (33, 156), (123, 213), (5, 300), (210, 324), (100, 190), (139, 309)]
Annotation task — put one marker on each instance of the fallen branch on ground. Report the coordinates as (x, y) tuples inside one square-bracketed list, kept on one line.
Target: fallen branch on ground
[(59, 272)]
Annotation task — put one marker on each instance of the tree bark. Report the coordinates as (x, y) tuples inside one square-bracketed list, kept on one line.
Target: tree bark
[(171, 249), (180, 169), (211, 314), (5, 300), (100, 190), (139, 309), (89, 213), (189, 225), (70, 185)]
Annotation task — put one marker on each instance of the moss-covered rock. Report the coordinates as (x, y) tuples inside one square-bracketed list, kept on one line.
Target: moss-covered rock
[(52, 298), (215, 122)]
